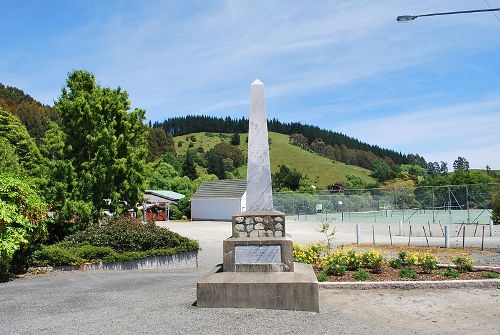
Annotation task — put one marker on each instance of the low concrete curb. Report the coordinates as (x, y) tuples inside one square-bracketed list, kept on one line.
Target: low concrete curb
[(176, 261), (411, 284)]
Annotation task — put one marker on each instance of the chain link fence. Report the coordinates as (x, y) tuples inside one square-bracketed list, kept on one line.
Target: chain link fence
[(449, 204)]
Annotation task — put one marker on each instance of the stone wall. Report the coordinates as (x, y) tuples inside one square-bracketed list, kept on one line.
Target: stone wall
[(259, 224)]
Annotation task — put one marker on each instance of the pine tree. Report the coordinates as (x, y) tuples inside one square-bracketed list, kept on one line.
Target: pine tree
[(188, 167), (235, 139)]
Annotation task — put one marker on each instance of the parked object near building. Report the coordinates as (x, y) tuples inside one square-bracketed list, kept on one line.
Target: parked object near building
[(219, 200), (157, 204)]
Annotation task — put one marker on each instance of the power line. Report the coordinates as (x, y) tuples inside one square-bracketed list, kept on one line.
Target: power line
[(488, 4)]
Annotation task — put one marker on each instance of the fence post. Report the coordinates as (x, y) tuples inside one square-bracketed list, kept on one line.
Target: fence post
[(400, 227), (491, 228), (446, 236), (358, 233)]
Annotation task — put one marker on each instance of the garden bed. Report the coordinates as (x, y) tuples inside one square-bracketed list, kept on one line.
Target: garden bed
[(348, 265), (388, 273)]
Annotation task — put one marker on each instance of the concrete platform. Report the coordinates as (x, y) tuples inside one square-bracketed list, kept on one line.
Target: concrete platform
[(296, 290)]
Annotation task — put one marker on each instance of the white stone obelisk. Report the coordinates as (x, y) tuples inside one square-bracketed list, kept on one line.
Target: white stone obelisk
[(259, 186)]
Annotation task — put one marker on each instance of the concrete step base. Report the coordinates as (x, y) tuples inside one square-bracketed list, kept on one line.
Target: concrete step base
[(296, 290)]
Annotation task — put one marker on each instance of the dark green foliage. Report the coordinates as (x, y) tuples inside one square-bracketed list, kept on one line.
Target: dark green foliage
[(322, 277), (215, 165), (461, 164), (59, 255), (382, 171), (128, 234), (105, 145), (407, 273), (491, 275), (235, 139), (396, 263), (495, 205), (159, 143), (227, 151), (361, 275), (450, 273), (188, 166), (287, 179)]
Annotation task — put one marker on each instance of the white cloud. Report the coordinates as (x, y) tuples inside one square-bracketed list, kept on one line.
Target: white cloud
[(439, 133)]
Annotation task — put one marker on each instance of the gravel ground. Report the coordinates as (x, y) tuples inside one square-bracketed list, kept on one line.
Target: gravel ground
[(160, 302)]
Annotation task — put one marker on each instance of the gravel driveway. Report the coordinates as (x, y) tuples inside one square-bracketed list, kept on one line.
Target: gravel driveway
[(160, 302)]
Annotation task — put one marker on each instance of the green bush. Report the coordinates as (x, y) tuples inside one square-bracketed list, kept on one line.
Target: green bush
[(322, 277), (407, 273), (428, 262), (129, 234), (491, 275), (463, 263), (395, 263), (58, 255), (450, 273), (336, 266), (22, 219), (361, 275), (372, 259), (120, 239)]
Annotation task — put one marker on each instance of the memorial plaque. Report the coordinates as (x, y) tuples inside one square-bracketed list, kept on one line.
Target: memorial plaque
[(257, 254)]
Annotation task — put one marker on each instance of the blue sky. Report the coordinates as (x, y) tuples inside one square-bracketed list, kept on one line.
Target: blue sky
[(431, 86)]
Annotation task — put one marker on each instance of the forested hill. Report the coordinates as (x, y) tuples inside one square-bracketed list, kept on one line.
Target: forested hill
[(33, 114), (326, 142)]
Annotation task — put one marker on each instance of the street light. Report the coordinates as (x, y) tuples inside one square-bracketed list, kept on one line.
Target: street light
[(406, 18)]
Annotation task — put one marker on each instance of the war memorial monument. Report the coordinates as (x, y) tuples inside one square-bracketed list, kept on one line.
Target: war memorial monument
[(258, 269)]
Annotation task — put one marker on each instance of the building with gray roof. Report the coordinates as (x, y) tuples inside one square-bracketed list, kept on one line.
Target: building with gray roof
[(219, 200)]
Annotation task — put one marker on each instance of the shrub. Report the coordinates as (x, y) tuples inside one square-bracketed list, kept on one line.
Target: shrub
[(335, 266), (395, 263), (361, 275), (307, 254), (322, 277), (408, 258), (372, 259), (407, 273), (58, 254), (428, 262), (491, 275), (463, 263), (450, 273), (22, 216), (129, 234), (54, 255), (354, 260)]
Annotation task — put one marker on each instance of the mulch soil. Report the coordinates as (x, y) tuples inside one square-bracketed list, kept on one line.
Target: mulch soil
[(390, 274)]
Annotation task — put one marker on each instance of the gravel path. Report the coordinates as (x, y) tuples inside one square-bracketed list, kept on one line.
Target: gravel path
[(160, 302)]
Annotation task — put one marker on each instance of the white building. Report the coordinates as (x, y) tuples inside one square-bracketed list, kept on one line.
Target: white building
[(219, 200)]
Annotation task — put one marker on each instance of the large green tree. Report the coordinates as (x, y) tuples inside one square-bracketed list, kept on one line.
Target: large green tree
[(105, 144)]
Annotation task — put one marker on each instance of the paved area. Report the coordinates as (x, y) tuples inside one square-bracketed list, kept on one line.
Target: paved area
[(160, 302)]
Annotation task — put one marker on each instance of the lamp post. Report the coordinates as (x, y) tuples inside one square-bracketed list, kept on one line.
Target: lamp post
[(406, 18)]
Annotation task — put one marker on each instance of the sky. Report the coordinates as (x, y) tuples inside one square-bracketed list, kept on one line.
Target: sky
[(430, 86)]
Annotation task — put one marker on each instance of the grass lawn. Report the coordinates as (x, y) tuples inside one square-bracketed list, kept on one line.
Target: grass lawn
[(320, 170)]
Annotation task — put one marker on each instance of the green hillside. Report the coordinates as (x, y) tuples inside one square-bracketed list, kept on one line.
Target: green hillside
[(320, 170)]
